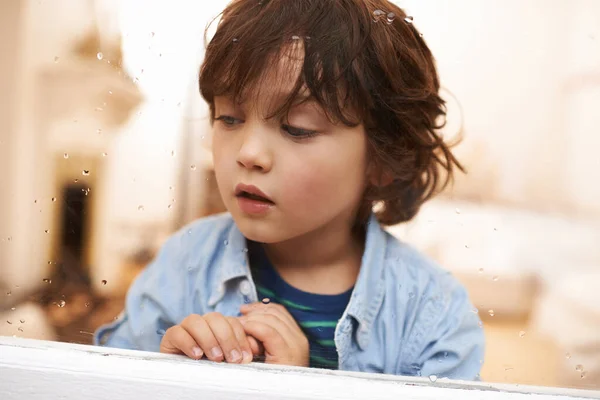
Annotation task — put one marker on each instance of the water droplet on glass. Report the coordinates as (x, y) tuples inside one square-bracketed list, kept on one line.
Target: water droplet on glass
[(481, 270), (170, 206), (13, 309), (172, 153), (99, 109), (98, 131), (266, 300), (522, 334), (104, 281), (480, 324), (475, 310), (151, 34), (9, 238), (189, 232), (411, 295), (46, 280), (9, 293), (56, 59), (295, 37), (583, 374), (87, 303), (568, 356), (433, 378), (140, 208), (225, 242), (110, 92), (100, 56), (46, 231), (8, 322), (466, 246), (35, 202), (377, 15), (76, 180), (104, 154), (495, 278), (457, 211), (491, 312), (160, 332), (61, 303), (20, 329), (579, 368), (245, 250), (66, 155), (409, 20), (235, 40), (193, 167), (391, 17), (53, 199), (22, 321)]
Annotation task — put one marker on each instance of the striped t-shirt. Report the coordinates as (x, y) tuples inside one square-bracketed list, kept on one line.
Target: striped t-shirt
[(316, 314)]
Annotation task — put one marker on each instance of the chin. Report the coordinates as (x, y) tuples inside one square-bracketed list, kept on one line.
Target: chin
[(257, 229)]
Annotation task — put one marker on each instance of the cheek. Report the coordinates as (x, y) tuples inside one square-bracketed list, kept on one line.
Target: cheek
[(221, 159), (323, 179)]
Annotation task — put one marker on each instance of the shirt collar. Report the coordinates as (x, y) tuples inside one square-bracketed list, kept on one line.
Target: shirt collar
[(368, 293), (234, 263)]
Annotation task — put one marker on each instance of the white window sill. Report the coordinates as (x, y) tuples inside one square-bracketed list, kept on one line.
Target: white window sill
[(33, 369)]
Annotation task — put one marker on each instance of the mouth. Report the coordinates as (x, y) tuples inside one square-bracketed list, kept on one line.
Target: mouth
[(251, 192)]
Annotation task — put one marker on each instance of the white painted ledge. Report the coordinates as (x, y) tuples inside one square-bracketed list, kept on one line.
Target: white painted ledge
[(33, 369)]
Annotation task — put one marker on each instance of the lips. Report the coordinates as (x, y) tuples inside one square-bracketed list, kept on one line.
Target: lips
[(251, 192)]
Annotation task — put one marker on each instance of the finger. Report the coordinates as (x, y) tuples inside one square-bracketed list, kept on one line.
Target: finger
[(257, 348), (274, 323), (271, 339), (274, 309), (225, 336), (178, 341), (199, 329), (242, 339)]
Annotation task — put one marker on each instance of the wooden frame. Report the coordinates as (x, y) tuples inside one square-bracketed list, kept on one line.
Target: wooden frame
[(33, 369)]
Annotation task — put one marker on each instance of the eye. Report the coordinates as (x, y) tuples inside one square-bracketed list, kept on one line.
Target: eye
[(228, 120), (298, 133)]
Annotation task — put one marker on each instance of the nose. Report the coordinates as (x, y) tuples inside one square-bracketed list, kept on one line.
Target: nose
[(254, 152)]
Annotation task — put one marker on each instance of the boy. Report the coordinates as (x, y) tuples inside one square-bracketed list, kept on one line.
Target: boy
[(321, 109)]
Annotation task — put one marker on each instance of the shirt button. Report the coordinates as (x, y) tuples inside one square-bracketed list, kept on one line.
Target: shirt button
[(245, 288)]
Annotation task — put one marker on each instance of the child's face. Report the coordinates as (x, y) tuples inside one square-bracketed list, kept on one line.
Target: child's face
[(312, 170)]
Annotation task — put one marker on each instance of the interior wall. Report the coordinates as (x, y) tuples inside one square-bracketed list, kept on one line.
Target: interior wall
[(10, 17)]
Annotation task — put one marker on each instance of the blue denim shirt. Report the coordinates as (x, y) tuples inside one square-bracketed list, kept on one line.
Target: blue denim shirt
[(406, 316)]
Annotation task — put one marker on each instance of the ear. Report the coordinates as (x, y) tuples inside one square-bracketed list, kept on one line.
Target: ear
[(379, 176)]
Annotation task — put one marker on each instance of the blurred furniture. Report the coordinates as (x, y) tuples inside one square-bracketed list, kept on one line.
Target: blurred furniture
[(533, 277)]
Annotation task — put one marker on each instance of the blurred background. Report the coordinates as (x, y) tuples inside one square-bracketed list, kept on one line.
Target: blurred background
[(104, 152)]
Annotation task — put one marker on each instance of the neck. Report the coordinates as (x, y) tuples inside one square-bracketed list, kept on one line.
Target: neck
[(325, 261)]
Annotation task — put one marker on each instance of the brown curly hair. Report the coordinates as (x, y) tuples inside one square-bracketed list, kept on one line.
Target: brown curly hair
[(364, 63)]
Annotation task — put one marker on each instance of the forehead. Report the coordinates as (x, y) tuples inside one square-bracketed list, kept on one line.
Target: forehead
[(279, 79)]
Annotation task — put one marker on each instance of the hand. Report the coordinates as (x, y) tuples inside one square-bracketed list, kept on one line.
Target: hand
[(283, 340), (218, 337)]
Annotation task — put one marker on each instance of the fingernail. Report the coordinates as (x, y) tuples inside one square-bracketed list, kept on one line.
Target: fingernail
[(235, 355), (197, 352), (216, 352), (247, 356)]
